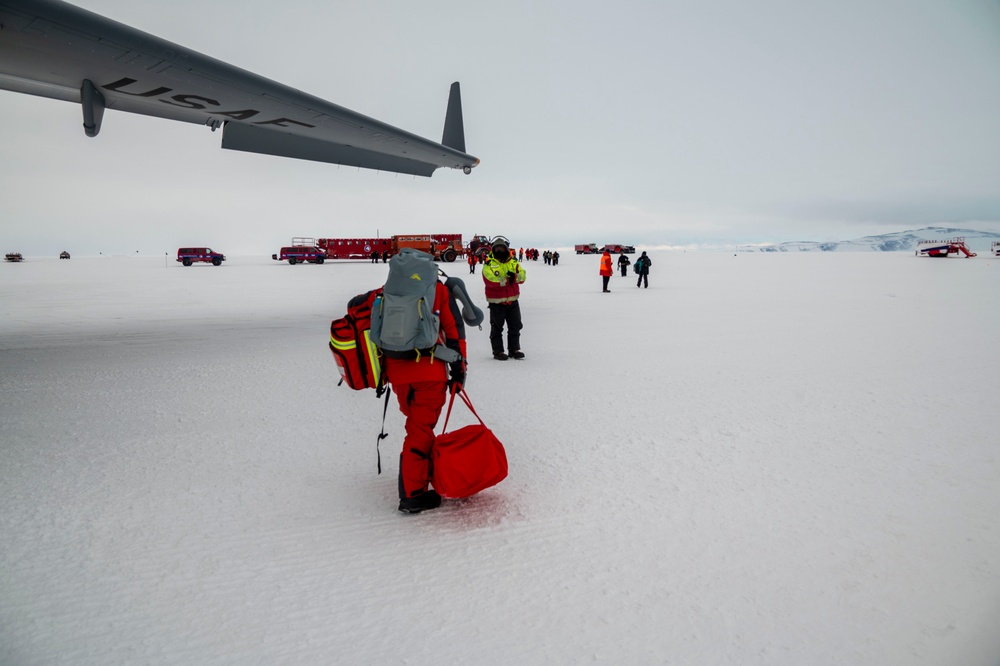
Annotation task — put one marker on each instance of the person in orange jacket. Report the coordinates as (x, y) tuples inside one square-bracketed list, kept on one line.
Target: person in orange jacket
[(607, 270)]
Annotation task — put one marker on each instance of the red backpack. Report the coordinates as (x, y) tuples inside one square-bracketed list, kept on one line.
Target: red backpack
[(356, 355)]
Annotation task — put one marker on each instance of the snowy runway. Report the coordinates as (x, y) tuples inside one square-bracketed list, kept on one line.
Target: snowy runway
[(773, 459)]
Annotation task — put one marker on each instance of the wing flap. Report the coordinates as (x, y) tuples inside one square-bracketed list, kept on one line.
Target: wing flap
[(38, 88), (247, 138)]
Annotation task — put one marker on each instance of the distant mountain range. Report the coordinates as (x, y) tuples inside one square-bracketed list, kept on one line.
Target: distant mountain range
[(894, 242)]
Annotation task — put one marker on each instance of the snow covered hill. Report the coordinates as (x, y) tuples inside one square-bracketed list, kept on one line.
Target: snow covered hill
[(893, 242)]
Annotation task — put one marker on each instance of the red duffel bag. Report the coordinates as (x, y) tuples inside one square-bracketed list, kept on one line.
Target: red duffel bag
[(467, 460)]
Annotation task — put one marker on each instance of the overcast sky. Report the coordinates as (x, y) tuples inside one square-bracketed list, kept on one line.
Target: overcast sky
[(653, 123)]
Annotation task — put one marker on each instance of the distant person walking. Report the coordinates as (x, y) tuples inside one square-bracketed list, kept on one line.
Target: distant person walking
[(642, 265), (623, 263), (606, 270)]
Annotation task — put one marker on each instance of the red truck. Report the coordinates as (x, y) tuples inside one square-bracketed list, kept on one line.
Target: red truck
[(586, 248), (618, 248), (444, 247), (479, 246)]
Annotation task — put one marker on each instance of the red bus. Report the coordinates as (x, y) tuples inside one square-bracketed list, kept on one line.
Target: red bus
[(444, 247), (354, 248)]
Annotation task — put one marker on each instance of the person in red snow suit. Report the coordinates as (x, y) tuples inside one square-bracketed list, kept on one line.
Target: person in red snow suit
[(606, 270), (421, 386), (421, 383)]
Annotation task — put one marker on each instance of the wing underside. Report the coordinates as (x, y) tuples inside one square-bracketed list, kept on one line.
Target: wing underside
[(56, 50), (238, 136)]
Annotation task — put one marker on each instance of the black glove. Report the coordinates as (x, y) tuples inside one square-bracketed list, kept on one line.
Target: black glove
[(456, 376)]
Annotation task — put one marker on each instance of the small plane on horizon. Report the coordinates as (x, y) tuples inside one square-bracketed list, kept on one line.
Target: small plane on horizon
[(54, 49)]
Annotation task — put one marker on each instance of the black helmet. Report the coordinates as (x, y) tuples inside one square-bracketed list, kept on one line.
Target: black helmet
[(500, 247)]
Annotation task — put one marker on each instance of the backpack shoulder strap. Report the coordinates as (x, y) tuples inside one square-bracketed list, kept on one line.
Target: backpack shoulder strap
[(383, 434)]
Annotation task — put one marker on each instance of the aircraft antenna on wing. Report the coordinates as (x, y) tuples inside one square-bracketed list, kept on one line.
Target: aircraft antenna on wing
[(454, 127)]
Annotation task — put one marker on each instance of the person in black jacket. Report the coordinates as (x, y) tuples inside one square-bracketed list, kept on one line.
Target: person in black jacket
[(623, 263), (641, 268)]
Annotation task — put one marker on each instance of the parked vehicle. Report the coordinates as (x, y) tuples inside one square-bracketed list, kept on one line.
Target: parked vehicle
[(205, 255), (932, 248), (449, 247), (479, 246), (586, 248), (354, 248), (444, 247), (14, 256), (64, 255), (301, 251), (618, 248), (301, 254)]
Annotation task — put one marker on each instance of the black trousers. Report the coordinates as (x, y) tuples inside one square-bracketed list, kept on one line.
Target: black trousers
[(502, 314), (624, 270), (607, 279), (643, 277)]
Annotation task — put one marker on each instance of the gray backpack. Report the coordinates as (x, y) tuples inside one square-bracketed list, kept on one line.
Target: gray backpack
[(403, 321)]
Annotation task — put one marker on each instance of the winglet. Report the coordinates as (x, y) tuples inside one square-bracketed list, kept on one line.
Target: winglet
[(454, 127)]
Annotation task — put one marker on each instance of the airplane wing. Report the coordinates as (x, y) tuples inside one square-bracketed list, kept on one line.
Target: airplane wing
[(57, 50)]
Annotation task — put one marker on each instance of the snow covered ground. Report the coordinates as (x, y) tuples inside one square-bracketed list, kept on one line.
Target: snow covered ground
[(761, 459)]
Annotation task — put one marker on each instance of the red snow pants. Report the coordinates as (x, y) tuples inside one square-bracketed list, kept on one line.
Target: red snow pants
[(420, 403)]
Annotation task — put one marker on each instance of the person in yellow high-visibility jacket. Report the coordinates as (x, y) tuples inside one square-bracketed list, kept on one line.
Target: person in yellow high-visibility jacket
[(503, 275)]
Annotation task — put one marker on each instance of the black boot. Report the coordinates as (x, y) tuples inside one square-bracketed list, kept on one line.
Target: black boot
[(429, 499)]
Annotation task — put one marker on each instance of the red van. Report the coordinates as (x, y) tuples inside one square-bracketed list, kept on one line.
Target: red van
[(190, 255), (301, 254)]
